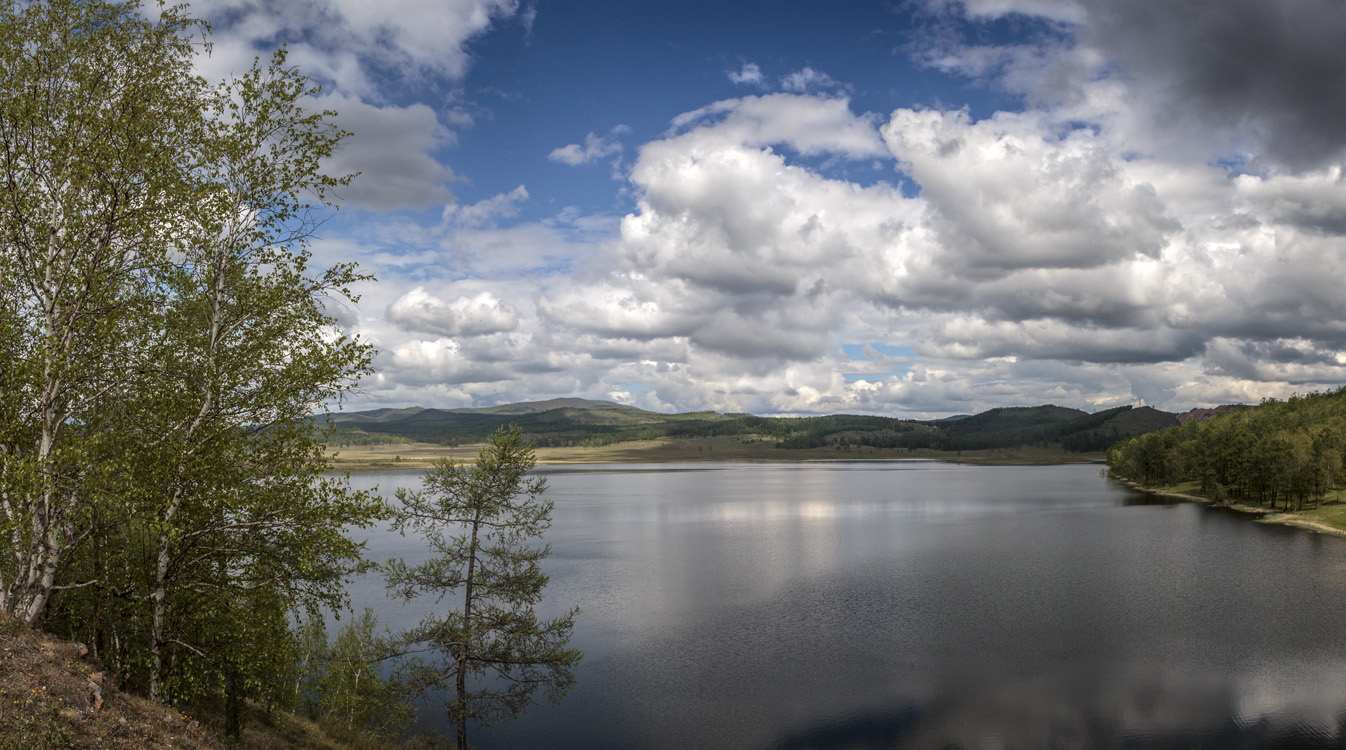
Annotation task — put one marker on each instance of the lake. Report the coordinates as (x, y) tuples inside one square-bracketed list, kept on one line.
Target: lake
[(920, 604)]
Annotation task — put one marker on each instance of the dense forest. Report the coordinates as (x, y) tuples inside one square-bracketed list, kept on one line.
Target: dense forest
[(1278, 454), (576, 422)]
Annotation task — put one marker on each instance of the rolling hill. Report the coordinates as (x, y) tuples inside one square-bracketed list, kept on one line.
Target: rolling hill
[(582, 422)]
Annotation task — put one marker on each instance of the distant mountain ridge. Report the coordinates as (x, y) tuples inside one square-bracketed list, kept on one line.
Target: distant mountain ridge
[(585, 422), (525, 407), (538, 407)]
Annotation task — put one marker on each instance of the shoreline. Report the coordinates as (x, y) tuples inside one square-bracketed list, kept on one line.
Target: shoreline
[(1263, 515), (420, 456)]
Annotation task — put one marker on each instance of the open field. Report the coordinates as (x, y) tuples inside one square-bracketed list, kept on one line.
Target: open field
[(719, 448)]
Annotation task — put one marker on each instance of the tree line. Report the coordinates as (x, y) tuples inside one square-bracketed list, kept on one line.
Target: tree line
[(1279, 454), (1070, 429)]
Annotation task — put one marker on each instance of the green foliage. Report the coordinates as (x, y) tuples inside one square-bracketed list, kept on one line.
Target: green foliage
[(1278, 453), (91, 141), (346, 437), (481, 522), (343, 682), (165, 341)]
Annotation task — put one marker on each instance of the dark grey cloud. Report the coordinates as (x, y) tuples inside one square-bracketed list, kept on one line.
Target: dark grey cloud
[(392, 153), (1070, 342), (1274, 70), (1296, 362), (1313, 203), (1289, 352), (781, 334)]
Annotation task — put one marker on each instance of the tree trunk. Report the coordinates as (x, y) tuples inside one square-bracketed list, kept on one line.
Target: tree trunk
[(160, 593), (462, 705), (233, 704), (159, 598), (461, 678)]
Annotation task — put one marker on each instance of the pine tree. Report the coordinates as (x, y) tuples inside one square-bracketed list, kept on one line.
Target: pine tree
[(481, 521)]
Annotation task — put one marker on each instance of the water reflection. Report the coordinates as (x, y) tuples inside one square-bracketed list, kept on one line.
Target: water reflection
[(918, 604), (1149, 710)]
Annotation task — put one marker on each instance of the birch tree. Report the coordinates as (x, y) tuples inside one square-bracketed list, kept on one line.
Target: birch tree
[(166, 341), (249, 353), (97, 109)]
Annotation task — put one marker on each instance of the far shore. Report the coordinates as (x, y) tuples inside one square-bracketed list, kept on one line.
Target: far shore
[(720, 448), (1329, 518)]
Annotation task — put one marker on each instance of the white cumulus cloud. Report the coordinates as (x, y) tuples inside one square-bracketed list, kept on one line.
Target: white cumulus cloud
[(594, 149), (749, 74), (422, 312)]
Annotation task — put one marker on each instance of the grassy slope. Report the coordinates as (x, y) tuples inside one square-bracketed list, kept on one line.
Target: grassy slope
[(47, 703)]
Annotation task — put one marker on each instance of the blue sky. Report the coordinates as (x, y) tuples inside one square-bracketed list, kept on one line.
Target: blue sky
[(592, 67), (915, 208)]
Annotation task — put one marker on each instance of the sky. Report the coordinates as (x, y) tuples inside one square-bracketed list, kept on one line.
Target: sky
[(913, 208)]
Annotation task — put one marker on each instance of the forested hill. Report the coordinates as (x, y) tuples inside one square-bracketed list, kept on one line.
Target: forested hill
[(580, 422), (1277, 454)]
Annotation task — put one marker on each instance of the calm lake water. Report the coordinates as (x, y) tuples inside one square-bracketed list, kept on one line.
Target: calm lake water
[(921, 604)]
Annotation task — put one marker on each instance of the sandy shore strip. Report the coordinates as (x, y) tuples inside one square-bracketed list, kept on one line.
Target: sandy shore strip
[(1264, 515)]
